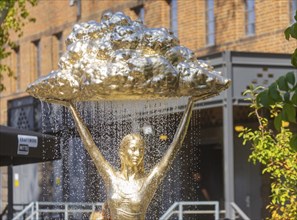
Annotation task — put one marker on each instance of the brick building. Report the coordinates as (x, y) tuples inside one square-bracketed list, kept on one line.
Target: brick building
[(204, 26)]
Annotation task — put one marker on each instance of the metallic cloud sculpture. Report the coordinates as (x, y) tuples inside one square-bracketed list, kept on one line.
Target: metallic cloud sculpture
[(120, 59)]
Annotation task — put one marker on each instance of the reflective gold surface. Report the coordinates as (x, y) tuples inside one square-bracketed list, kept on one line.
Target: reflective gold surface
[(130, 189), (119, 59)]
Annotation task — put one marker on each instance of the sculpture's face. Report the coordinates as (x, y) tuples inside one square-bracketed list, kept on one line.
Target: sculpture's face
[(133, 153)]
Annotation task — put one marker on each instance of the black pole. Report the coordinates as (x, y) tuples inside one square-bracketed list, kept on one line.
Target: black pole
[(10, 192)]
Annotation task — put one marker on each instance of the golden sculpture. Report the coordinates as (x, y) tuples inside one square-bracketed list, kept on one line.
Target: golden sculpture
[(130, 189), (96, 215), (121, 59)]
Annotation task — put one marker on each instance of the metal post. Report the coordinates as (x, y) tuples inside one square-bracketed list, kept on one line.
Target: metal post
[(1, 208), (78, 12), (66, 212), (32, 212), (37, 210), (94, 208), (228, 141), (217, 211), (10, 191), (180, 212)]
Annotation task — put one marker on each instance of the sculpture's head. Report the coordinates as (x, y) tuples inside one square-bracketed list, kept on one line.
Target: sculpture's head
[(131, 151)]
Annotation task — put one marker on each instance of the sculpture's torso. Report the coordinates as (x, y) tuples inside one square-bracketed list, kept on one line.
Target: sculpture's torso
[(128, 199)]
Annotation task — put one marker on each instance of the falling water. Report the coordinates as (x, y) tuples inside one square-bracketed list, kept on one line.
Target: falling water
[(50, 125), (74, 178)]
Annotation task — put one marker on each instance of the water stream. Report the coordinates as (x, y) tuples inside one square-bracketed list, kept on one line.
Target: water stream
[(74, 177)]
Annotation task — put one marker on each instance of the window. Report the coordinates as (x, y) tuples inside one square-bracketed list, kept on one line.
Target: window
[(210, 23), (57, 49), (59, 37), (23, 113), (17, 68), (139, 11), (293, 8), (37, 55), (173, 17), (249, 17)]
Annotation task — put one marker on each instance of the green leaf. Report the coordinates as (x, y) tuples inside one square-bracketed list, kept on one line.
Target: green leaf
[(294, 58), (278, 122), (248, 91), (274, 93), (290, 77), (290, 112), (293, 142), (287, 33), (287, 97), (282, 83), (294, 98), (264, 99), (293, 30), (284, 115)]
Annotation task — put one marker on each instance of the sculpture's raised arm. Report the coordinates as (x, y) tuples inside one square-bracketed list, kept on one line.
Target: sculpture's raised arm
[(102, 165), (162, 167)]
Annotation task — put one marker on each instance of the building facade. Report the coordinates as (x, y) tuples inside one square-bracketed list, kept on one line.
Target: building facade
[(204, 26)]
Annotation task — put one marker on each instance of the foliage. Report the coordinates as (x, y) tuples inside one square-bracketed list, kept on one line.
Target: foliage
[(277, 150), (273, 151), (291, 31), (283, 92), (281, 97), (13, 15)]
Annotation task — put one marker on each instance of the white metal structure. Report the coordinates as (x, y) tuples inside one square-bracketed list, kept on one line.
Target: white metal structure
[(36, 210), (178, 208), (239, 211)]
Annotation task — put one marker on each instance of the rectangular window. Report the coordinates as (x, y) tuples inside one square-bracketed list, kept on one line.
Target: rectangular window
[(59, 37), (173, 17), (17, 68), (249, 17), (56, 49), (37, 56), (293, 8), (139, 11), (22, 113), (210, 23)]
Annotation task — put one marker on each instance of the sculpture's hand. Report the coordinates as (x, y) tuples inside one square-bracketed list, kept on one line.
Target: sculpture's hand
[(65, 103)]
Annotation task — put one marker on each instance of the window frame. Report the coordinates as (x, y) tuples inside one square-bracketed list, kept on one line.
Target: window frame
[(293, 8), (174, 16), (37, 56), (210, 23), (250, 18), (140, 12), (59, 37), (17, 68)]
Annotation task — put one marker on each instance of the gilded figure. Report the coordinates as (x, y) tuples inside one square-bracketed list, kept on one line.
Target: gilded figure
[(131, 189)]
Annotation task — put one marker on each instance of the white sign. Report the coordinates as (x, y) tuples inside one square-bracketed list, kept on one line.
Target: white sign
[(25, 142)]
